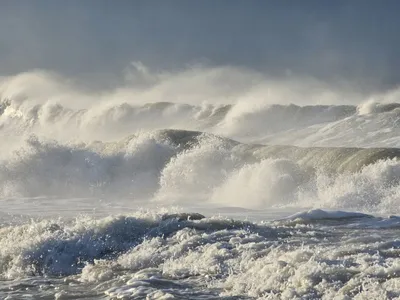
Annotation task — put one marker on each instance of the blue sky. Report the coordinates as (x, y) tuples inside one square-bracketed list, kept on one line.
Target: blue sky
[(357, 40)]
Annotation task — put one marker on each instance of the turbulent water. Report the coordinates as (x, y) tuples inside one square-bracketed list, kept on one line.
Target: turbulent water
[(186, 187)]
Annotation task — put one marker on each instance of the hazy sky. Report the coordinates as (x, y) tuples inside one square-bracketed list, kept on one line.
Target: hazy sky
[(321, 38)]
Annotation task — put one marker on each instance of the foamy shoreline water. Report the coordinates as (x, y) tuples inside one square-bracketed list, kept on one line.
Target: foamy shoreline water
[(315, 254)]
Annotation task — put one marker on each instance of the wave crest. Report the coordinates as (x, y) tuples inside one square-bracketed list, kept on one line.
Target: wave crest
[(194, 167)]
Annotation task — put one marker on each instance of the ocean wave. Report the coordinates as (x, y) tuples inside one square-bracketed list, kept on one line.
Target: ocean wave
[(175, 255), (214, 141), (367, 125), (177, 166), (60, 248), (238, 119), (234, 103)]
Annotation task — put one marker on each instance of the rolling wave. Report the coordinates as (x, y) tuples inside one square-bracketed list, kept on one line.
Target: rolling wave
[(178, 166), (366, 125), (66, 141), (205, 140), (169, 112), (58, 248), (187, 255)]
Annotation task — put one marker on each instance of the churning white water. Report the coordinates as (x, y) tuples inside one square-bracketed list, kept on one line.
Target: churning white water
[(204, 184)]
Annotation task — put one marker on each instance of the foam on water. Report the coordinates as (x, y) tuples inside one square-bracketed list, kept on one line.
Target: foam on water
[(284, 201), (158, 256)]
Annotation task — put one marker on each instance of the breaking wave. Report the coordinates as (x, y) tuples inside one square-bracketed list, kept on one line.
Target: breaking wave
[(331, 159), (225, 101), (368, 125), (177, 166), (190, 256)]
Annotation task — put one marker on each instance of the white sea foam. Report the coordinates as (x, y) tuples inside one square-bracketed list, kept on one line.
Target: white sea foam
[(144, 254), (68, 150)]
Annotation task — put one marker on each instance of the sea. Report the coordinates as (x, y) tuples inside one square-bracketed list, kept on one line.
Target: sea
[(177, 190)]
